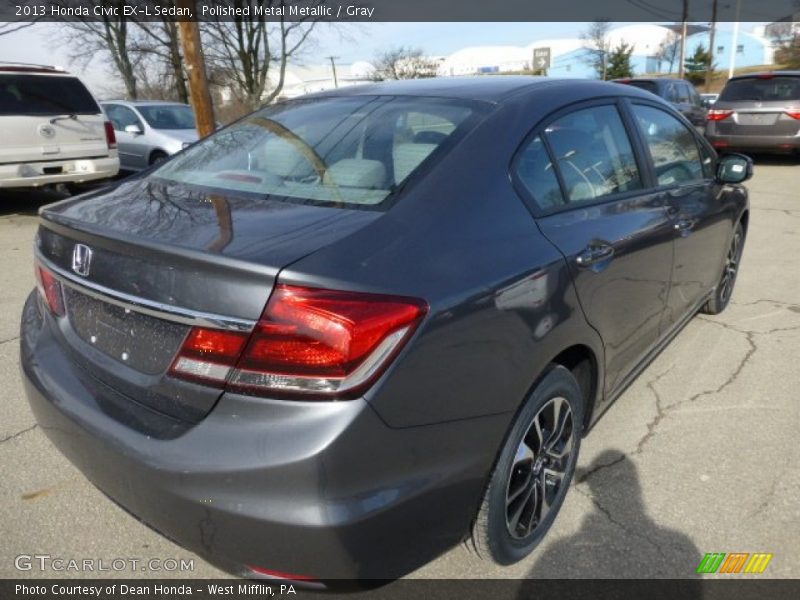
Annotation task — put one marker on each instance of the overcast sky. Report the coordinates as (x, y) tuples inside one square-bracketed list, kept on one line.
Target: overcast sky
[(359, 42)]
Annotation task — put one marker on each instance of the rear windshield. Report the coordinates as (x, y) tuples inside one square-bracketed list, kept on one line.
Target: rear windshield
[(348, 150), (44, 95), (772, 89), (647, 86), (167, 116)]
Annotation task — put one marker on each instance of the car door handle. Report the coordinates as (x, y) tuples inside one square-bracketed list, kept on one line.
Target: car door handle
[(594, 253), (684, 226)]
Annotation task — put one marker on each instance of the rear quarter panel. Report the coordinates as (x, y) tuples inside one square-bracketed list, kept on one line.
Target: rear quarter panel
[(501, 301)]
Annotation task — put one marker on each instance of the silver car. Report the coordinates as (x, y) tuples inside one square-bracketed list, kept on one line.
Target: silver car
[(149, 131)]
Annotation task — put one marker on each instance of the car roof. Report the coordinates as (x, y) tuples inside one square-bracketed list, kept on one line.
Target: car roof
[(33, 69), (766, 75), (487, 88), (144, 102)]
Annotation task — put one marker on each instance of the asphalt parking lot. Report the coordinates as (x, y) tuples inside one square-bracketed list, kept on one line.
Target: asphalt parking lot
[(699, 455)]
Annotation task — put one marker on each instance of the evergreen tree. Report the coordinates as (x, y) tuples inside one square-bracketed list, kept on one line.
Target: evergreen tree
[(697, 64), (619, 62)]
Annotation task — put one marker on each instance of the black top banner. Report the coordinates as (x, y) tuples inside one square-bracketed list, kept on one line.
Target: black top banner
[(402, 10)]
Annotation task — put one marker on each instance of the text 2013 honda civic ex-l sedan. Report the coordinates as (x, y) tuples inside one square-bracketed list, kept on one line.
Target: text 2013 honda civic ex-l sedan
[(349, 331)]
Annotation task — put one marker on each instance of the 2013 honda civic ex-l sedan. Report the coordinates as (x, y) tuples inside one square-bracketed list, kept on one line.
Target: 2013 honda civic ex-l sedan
[(349, 331)]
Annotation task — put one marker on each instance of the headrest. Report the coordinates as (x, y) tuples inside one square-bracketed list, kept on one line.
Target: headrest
[(284, 158), (356, 173)]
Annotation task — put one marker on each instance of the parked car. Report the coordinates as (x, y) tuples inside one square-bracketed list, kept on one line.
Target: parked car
[(150, 131), (53, 131), (678, 92), (708, 100), (352, 330), (759, 112)]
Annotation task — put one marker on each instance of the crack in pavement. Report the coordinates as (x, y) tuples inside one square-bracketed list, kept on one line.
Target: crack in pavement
[(607, 513), (584, 476), (787, 211), (19, 433), (789, 305), (661, 412), (9, 340)]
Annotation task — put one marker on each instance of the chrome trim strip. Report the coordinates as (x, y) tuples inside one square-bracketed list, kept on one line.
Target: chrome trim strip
[(321, 385), (147, 307)]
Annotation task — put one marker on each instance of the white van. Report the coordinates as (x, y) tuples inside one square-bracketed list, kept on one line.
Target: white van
[(51, 130)]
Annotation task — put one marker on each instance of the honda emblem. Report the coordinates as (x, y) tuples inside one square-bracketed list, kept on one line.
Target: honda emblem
[(81, 259)]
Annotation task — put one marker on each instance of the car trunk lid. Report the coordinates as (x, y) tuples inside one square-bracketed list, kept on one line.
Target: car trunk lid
[(163, 258)]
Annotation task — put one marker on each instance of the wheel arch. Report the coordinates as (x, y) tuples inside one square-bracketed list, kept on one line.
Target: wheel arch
[(584, 365)]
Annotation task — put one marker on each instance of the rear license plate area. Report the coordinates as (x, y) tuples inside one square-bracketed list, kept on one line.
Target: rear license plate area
[(757, 118), (141, 342)]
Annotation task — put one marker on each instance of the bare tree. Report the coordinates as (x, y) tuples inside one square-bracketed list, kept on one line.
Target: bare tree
[(250, 53), (110, 37), (161, 45), (597, 46), (6, 28), (668, 50), (403, 63)]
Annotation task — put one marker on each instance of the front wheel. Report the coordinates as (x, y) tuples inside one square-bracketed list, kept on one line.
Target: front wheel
[(730, 270), (533, 472)]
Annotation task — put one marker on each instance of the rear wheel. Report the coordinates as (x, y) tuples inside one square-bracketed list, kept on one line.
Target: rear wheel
[(533, 472), (157, 157), (730, 270)]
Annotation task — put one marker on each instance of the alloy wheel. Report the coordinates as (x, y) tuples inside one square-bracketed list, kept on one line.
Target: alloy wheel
[(731, 267), (539, 467)]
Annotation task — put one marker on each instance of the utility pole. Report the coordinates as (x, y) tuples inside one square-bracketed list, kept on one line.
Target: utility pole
[(735, 39), (711, 42), (333, 66), (684, 31), (196, 67)]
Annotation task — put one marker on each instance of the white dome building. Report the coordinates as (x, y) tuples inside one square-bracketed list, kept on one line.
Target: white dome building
[(644, 37), (485, 59)]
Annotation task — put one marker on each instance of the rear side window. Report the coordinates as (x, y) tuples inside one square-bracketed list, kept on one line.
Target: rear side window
[(648, 86), (767, 89), (672, 145), (593, 154), (45, 95), (345, 150), (535, 170)]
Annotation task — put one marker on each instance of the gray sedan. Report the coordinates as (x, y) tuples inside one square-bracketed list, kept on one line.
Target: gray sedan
[(150, 131)]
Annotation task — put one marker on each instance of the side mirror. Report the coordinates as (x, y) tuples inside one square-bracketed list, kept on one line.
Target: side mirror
[(134, 129), (734, 168)]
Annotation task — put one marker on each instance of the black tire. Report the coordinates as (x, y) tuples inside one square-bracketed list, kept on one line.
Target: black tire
[(157, 157), (496, 535), (730, 270)]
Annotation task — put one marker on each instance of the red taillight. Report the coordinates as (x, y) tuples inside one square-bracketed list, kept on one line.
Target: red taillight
[(794, 113), (719, 115), (308, 341), (50, 289), (111, 137)]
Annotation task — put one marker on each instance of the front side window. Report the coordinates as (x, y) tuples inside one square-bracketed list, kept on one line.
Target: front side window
[(168, 116), (593, 154), (672, 146), (346, 150), (121, 116)]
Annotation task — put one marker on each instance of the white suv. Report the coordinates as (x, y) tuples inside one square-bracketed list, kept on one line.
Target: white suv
[(53, 130)]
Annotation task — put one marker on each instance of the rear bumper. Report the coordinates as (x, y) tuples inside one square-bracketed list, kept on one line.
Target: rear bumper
[(35, 174), (756, 143), (320, 489)]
